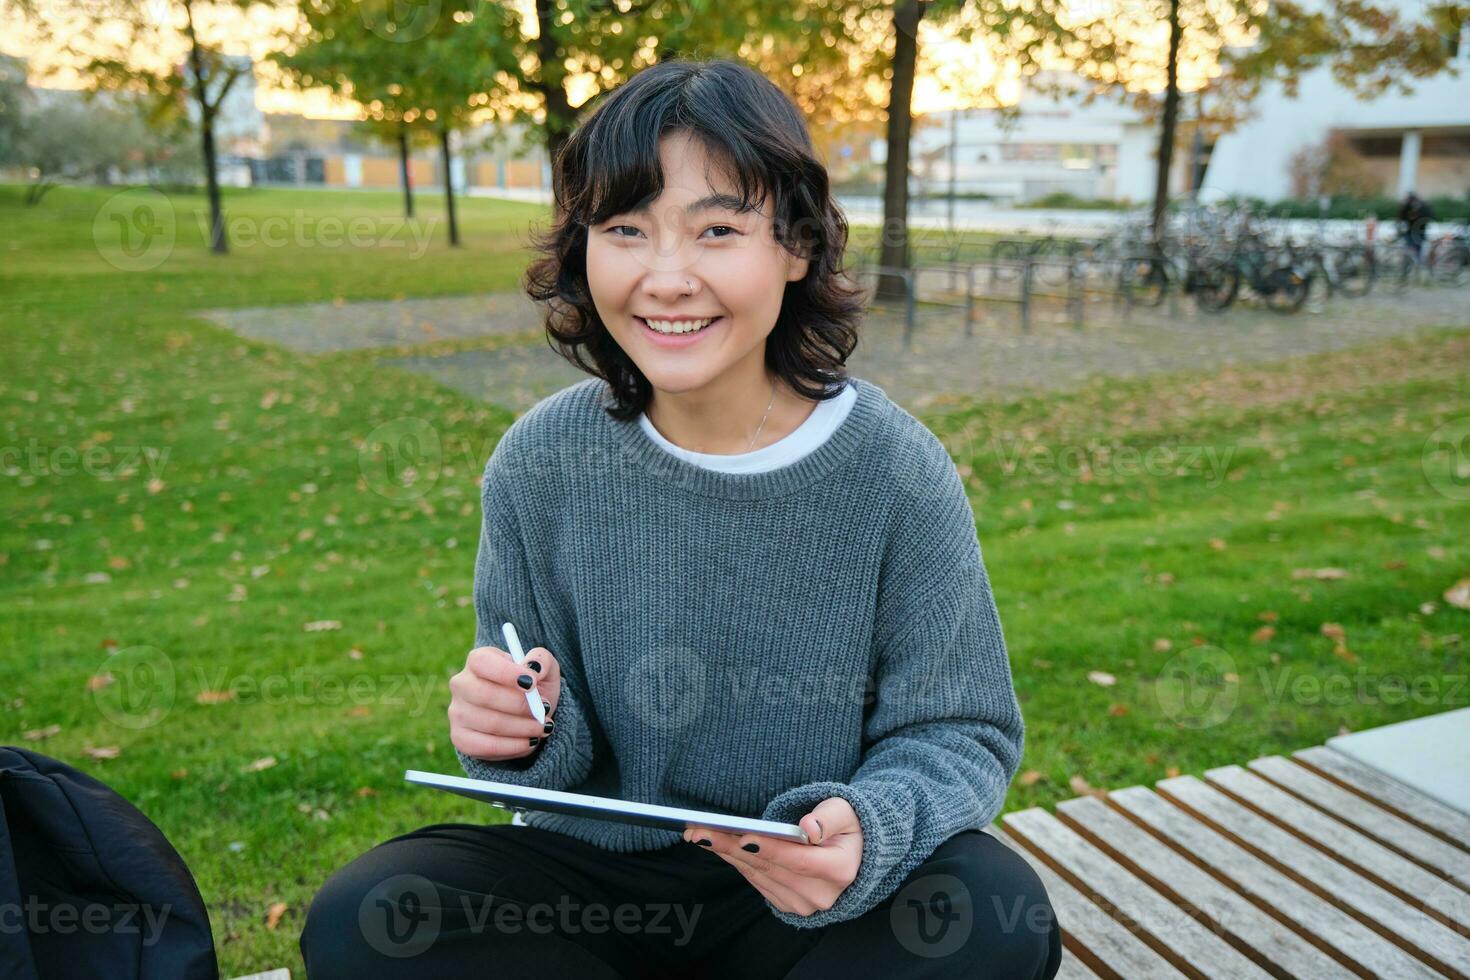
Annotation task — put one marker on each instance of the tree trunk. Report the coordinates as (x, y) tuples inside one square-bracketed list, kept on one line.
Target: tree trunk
[(403, 172), (217, 241), (449, 187), (894, 234), (1170, 122), (560, 117), (38, 190)]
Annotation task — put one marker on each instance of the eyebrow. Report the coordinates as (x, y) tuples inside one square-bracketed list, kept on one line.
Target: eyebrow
[(724, 202)]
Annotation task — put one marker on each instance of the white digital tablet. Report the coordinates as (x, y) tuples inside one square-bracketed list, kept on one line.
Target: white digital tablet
[(522, 798)]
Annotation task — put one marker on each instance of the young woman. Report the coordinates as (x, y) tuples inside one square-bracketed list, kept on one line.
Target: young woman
[(754, 586)]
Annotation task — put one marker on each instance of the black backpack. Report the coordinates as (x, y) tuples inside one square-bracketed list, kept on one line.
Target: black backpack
[(89, 887)]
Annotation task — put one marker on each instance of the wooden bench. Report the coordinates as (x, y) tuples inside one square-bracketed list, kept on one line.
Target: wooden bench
[(1315, 866)]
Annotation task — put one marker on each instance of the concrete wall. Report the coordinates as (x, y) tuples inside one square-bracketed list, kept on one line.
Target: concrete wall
[(1255, 159)]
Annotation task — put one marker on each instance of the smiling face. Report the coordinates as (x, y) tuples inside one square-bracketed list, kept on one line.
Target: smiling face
[(690, 255)]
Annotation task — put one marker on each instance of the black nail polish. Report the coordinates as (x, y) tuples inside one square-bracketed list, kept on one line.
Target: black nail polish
[(525, 680), (752, 847), (534, 665), (546, 729), (705, 842), (536, 740)]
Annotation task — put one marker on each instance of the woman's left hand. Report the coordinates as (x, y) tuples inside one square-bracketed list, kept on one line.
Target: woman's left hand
[(797, 878)]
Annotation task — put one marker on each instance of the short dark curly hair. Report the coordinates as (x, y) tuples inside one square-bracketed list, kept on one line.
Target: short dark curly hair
[(610, 165)]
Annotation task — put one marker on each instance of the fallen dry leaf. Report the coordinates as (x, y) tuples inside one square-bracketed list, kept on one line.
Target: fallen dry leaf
[(273, 915), (1320, 573), (1081, 787), (1117, 710), (37, 734), (98, 681), (259, 764), (365, 791), (103, 751), (1101, 678), (1267, 616), (1217, 543), (322, 625), (1163, 644), (1334, 631), (1458, 595), (1263, 634), (1171, 772), (214, 697)]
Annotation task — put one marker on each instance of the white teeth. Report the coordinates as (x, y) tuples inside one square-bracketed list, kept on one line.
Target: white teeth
[(680, 326)]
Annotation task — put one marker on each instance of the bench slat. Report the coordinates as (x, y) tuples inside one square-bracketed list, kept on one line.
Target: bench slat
[(1321, 921), (1161, 924), (1451, 825), (1383, 825), (1378, 908), (1096, 938), (1228, 912), (1410, 882), (1072, 968)]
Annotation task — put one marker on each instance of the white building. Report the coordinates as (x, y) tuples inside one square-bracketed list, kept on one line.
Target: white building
[(1418, 142), (1052, 144)]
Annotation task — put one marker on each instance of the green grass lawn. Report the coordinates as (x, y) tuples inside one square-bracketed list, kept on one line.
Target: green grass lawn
[(179, 499)]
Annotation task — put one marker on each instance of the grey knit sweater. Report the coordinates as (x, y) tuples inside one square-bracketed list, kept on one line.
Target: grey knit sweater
[(752, 643)]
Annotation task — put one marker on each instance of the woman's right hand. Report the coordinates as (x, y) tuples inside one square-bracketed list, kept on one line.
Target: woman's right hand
[(489, 717)]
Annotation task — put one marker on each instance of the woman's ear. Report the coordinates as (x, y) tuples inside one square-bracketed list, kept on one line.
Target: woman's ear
[(796, 267)]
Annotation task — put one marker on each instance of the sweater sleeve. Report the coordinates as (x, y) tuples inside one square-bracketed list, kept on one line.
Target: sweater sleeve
[(945, 735), (503, 592)]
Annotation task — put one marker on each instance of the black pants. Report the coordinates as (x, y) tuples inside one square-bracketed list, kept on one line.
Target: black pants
[(465, 900)]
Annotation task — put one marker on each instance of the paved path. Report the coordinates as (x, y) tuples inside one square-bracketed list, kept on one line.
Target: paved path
[(999, 358)]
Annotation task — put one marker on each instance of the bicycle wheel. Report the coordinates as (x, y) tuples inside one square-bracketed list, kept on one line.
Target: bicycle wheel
[(1355, 272), (1398, 270), (1452, 265), (1144, 280), (1215, 286), (1287, 288)]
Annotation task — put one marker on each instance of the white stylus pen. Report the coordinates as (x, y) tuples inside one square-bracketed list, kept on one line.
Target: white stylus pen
[(513, 642)]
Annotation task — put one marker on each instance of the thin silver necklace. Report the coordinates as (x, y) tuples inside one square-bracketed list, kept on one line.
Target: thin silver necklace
[(763, 419)]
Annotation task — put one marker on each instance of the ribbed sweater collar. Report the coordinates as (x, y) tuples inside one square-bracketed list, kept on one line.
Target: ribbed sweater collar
[(867, 413)]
